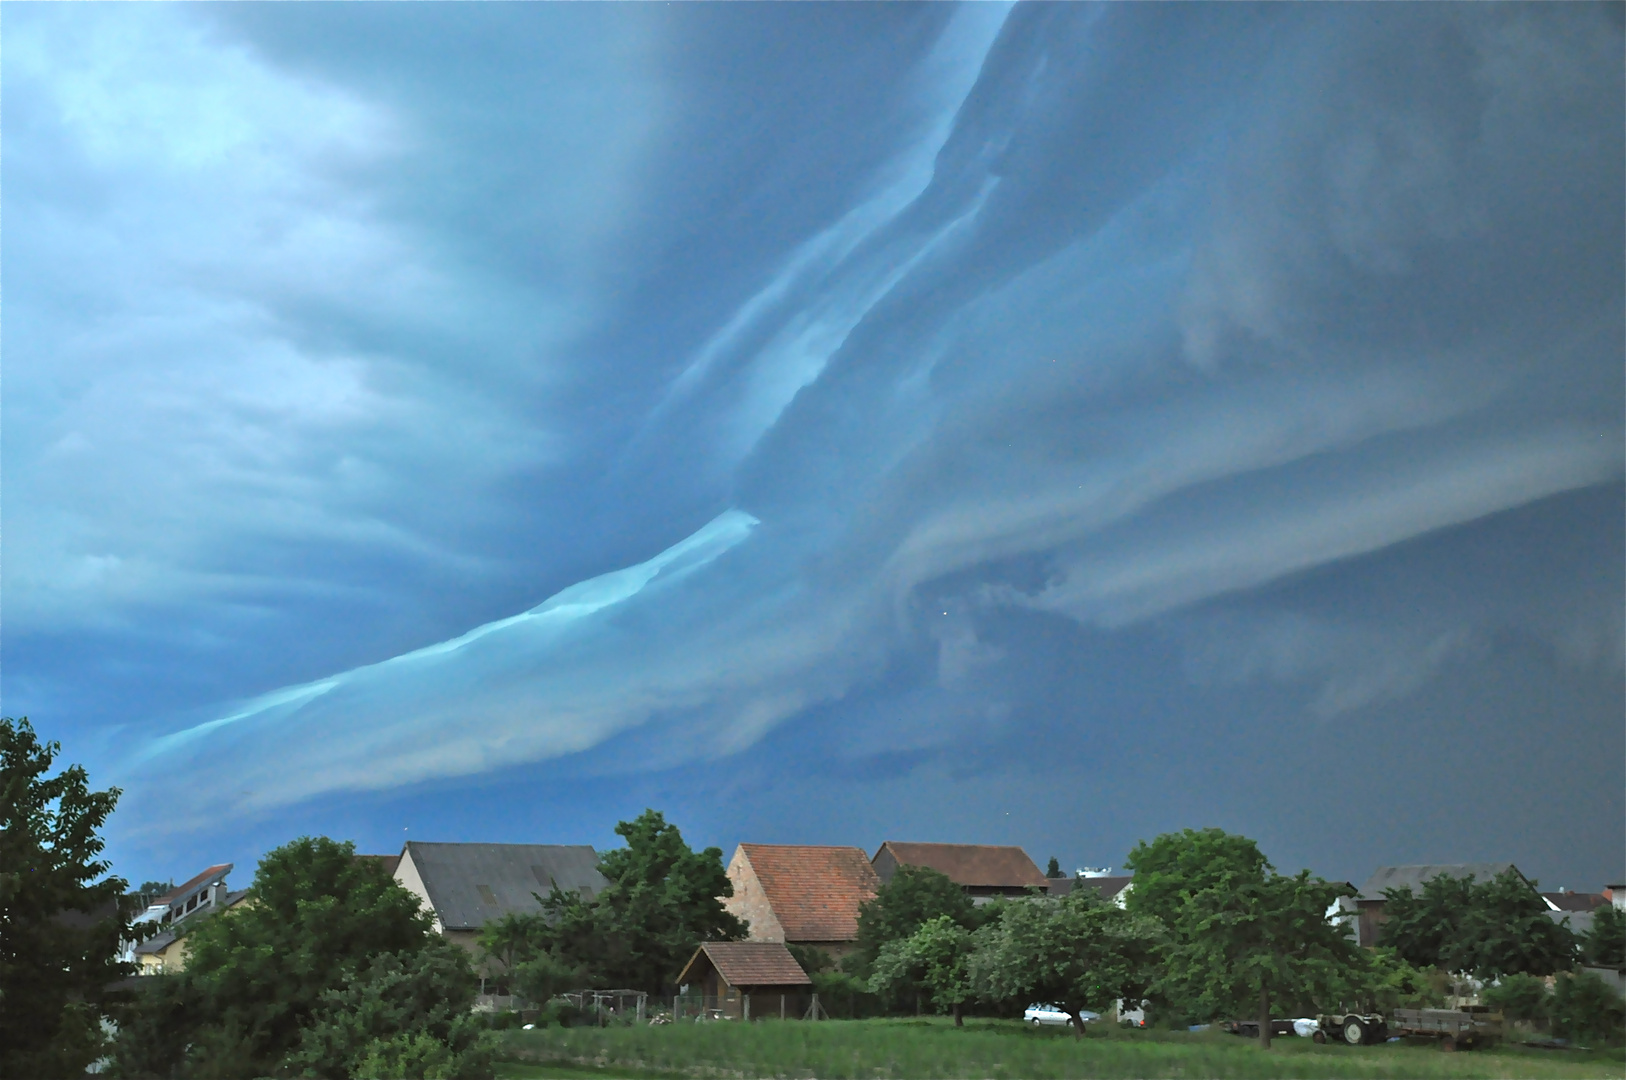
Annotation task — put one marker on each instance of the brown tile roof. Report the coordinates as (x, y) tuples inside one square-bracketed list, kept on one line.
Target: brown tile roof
[(748, 963), (815, 891), (971, 865)]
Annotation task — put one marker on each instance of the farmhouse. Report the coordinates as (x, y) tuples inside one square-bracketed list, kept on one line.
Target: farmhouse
[(464, 886), (742, 979), (801, 894), (983, 870)]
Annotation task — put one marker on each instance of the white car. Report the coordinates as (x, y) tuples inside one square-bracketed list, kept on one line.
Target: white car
[(1055, 1014)]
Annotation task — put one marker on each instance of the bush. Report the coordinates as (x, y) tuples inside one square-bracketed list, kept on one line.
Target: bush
[(1586, 1009), (844, 996), (1520, 998), (396, 1015)]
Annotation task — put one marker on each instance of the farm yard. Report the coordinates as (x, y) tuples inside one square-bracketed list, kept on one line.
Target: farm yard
[(933, 1047)]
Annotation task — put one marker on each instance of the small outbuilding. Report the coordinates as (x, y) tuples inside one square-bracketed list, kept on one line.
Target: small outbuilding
[(745, 979)]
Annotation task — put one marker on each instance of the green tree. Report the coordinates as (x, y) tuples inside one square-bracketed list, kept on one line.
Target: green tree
[(1053, 870), (914, 896), (62, 918), (1605, 944), (1176, 866), (1078, 952), (315, 921), (1171, 869), (936, 957), (662, 901), (1520, 998), (410, 1010), (1491, 929), (1254, 938), (1587, 1010), (1385, 982)]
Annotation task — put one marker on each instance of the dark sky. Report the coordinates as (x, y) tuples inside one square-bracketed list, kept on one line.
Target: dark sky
[(1046, 425)]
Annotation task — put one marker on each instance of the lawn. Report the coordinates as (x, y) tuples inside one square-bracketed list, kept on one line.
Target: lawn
[(872, 1049)]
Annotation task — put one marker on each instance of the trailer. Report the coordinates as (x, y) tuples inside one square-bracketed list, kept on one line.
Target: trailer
[(1468, 1027)]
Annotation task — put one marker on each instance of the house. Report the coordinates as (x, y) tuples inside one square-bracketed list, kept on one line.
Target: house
[(801, 894), (983, 870), (464, 886), (1616, 895), (165, 952), (203, 890), (1369, 903), (742, 979)]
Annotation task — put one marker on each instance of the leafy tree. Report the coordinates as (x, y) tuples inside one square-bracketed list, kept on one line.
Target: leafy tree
[(1493, 928), (1521, 998), (1053, 870), (409, 1013), (1386, 982), (914, 896), (1176, 866), (1605, 944), (61, 919), (513, 939), (1253, 938), (935, 957), (661, 902), (1079, 952), (1587, 1010), (257, 976), (318, 916)]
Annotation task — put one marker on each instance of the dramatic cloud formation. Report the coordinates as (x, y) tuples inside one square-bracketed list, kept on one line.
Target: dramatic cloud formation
[(859, 370)]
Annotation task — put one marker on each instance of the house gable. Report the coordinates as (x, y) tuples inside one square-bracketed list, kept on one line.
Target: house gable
[(801, 893)]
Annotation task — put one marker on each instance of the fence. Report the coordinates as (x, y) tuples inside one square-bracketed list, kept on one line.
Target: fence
[(609, 1006), (777, 1006)]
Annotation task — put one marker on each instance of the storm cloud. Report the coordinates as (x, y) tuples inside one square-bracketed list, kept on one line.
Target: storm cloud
[(401, 395)]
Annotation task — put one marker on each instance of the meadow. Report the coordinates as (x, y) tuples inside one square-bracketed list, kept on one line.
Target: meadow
[(931, 1048)]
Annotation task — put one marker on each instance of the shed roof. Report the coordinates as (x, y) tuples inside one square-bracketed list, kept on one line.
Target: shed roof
[(1412, 877), (469, 884), (971, 865), (815, 891), (748, 964)]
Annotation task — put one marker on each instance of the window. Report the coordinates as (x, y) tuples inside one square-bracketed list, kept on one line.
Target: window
[(487, 895)]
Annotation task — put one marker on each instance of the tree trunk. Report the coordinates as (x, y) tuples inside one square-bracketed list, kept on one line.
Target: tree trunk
[(1264, 1017), (958, 1021), (1078, 1022)]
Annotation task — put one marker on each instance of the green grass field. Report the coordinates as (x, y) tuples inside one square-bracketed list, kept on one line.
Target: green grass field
[(871, 1049)]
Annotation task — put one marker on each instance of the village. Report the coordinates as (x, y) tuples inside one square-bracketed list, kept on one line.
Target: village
[(796, 900)]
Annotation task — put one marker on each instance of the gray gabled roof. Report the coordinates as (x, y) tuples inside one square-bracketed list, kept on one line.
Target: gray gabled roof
[(1412, 877), (470, 884)]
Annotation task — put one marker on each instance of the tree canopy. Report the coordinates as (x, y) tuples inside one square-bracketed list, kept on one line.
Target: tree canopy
[(62, 916), (1254, 938), (661, 902), (1491, 928), (1605, 944), (327, 952), (935, 958), (913, 897), (1078, 952)]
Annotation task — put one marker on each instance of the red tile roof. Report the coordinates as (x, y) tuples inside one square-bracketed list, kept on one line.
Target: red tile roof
[(972, 865), (815, 891), (748, 964)]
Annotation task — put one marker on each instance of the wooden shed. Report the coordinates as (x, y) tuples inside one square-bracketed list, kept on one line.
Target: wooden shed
[(745, 979)]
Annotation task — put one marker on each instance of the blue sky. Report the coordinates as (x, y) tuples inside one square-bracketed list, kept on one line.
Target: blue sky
[(828, 423)]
